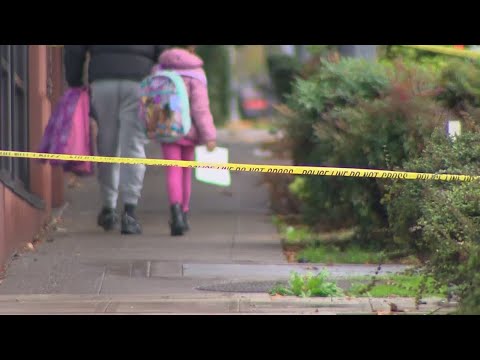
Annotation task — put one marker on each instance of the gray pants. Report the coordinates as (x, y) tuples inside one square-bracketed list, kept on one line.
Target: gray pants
[(120, 133)]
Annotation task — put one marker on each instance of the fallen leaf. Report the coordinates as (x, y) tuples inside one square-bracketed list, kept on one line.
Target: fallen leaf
[(74, 183), (276, 296), (384, 312), (30, 246), (395, 308), (291, 256)]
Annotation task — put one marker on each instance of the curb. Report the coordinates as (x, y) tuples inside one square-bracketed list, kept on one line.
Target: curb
[(210, 305)]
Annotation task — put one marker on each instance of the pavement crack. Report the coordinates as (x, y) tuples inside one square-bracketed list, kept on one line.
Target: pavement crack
[(102, 280), (108, 305), (149, 267)]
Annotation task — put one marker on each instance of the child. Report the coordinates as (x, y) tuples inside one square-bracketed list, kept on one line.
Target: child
[(203, 132)]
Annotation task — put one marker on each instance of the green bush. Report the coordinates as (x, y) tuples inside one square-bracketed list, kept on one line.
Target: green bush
[(460, 82), (470, 304), (332, 86), (382, 116), (217, 67), (283, 69), (357, 114), (440, 220), (405, 199), (415, 56)]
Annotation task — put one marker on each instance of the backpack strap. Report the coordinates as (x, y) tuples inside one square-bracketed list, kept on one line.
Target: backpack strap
[(176, 78), (194, 75), (158, 70)]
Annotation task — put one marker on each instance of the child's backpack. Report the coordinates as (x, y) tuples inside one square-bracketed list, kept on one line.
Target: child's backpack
[(165, 106)]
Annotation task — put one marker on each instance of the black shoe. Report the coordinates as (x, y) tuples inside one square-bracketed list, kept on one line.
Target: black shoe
[(108, 219), (177, 223), (130, 225), (185, 221)]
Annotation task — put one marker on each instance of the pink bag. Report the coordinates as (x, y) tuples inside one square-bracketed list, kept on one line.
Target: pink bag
[(79, 141), (68, 131)]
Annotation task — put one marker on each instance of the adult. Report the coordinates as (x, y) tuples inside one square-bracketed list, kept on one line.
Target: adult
[(114, 75)]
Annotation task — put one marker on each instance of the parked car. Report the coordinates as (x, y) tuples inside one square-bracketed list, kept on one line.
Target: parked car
[(253, 103)]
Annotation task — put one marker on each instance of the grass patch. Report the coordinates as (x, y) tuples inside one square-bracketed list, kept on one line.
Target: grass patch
[(301, 235), (264, 124), (307, 246), (399, 285), (334, 255), (308, 285)]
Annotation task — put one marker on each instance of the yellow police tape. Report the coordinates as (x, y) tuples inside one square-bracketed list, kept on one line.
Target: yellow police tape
[(273, 169), (446, 50)]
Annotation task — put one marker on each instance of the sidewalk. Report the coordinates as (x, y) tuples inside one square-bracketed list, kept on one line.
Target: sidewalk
[(228, 226), (233, 248)]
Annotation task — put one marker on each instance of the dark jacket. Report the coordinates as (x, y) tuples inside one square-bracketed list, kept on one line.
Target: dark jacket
[(109, 62)]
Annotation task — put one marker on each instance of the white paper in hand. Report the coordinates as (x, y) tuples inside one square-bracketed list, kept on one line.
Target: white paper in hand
[(212, 176)]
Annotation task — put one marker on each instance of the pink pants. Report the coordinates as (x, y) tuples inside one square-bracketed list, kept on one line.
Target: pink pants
[(179, 180)]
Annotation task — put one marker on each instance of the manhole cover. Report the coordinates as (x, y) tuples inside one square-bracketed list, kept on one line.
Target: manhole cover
[(242, 287)]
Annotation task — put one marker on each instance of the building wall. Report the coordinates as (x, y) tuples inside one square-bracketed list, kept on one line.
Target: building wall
[(20, 220), (58, 81), (3, 243)]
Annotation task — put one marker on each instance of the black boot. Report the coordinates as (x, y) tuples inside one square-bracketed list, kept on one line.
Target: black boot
[(177, 223), (108, 219), (185, 221), (130, 224)]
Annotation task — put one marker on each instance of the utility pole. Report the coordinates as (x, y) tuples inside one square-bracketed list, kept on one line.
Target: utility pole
[(368, 52)]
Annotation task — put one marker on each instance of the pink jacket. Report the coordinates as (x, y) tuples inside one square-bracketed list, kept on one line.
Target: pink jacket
[(203, 128)]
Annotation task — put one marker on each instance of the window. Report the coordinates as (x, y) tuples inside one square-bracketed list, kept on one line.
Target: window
[(14, 112)]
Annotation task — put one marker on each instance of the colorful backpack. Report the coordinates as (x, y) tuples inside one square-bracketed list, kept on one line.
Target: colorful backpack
[(165, 106)]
